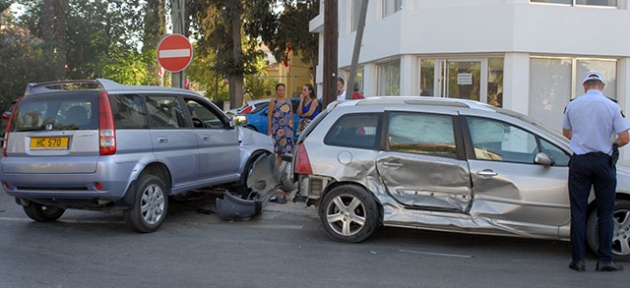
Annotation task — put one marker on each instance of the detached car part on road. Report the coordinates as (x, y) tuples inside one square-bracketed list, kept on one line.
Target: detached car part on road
[(442, 164), (101, 145)]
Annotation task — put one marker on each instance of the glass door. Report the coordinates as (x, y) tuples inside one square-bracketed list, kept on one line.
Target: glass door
[(459, 79)]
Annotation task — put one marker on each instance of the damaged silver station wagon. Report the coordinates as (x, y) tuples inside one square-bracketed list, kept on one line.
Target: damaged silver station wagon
[(445, 165)]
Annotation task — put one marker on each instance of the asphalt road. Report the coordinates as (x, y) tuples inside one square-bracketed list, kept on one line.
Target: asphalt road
[(284, 247)]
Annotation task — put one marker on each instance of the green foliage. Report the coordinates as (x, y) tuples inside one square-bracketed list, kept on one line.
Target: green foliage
[(5, 4), (289, 29), (94, 27), (256, 86), (24, 60), (127, 67)]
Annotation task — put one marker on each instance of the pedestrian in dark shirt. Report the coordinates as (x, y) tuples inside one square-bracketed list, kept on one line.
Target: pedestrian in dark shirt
[(589, 122)]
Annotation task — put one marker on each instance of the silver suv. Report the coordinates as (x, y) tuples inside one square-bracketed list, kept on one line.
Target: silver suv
[(102, 145), (442, 164)]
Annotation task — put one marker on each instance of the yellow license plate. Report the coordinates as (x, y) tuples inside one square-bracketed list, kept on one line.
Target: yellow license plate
[(49, 143)]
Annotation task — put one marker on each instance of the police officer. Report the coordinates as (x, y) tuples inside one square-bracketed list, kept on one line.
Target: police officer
[(590, 122)]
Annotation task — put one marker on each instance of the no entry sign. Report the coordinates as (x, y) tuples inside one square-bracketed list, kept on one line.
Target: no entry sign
[(174, 52)]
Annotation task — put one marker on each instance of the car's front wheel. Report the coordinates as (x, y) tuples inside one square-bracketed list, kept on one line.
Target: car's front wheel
[(621, 235), (43, 213), (349, 214), (150, 204)]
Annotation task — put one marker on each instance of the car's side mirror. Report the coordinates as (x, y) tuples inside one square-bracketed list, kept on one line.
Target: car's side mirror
[(238, 120), (543, 159)]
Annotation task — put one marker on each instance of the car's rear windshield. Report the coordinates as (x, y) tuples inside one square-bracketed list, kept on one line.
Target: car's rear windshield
[(57, 111)]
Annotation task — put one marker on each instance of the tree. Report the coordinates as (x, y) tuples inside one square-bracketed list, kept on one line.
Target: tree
[(25, 58), (94, 28), (154, 30), (218, 25), (289, 30), (218, 28)]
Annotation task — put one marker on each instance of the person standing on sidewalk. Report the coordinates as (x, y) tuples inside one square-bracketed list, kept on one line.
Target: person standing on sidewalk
[(589, 122), (308, 107), (356, 94), (280, 123), (341, 90)]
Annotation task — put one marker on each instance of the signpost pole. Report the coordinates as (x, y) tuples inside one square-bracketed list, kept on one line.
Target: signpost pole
[(177, 16)]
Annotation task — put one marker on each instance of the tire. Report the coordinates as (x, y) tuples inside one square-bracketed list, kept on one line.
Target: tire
[(621, 236), (43, 213), (150, 204), (351, 226), (243, 190)]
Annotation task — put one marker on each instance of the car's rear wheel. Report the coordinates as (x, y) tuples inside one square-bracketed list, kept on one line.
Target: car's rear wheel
[(621, 235), (150, 204), (349, 214), (43, 213)]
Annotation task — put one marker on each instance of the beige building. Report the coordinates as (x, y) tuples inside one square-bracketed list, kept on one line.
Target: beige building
[(294, 73)]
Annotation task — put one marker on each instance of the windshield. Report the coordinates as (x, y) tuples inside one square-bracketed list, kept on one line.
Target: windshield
[(259, 107)]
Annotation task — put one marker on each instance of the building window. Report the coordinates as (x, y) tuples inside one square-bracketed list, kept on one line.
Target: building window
[(495, 82), (427, 77), (358, 80), (389, 78), (606, 67), (553, 82), (391, 6), (610, 3)]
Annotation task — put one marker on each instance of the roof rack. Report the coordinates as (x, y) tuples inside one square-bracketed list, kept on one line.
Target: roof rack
[(425, 100), (100, 83)]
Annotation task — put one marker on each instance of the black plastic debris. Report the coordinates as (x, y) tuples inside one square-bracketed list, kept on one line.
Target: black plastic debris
[(266, 181)]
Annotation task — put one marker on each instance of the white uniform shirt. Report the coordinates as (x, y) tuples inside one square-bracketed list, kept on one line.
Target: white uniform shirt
[(593, 119)]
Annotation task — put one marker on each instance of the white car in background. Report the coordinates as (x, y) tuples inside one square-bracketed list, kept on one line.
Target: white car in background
[(249, 106)]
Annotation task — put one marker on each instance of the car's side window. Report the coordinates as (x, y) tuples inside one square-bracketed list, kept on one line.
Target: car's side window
[(203, 117), (499, 141), (355, 130), (420, 133), (559, 157), (129, 111), (166, 112)]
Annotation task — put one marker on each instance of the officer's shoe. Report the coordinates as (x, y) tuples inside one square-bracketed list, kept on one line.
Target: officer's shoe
[(578, 265), (608, 267)]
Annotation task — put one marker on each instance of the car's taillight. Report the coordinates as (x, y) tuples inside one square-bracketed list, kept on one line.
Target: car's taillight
[(5, 140), (107, 134), (302, 163)]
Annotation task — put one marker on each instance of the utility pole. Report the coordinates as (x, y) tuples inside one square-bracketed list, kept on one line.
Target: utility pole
[(357, 49), (177, 18), (331, 33)]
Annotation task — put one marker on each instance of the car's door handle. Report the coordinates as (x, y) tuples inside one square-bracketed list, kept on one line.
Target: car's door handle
[(162, 140), (205, 138), (393, 164), (488, 173)]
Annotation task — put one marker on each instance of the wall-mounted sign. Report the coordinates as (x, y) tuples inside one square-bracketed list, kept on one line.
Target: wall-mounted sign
[(464, 79)]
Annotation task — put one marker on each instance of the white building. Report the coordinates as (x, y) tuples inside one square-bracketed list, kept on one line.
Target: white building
[(527, 56)]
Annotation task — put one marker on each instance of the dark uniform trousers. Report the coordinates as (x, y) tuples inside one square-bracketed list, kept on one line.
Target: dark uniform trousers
[(586, 171)]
